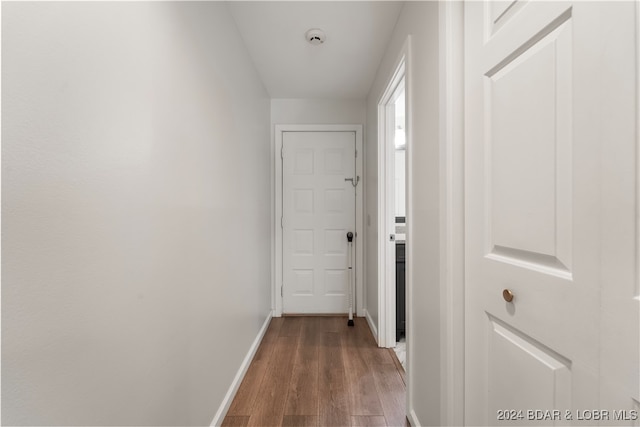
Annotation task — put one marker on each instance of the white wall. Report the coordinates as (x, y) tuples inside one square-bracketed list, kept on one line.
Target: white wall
[(317, 111), (420, 20), (400, 187), (135, 211)]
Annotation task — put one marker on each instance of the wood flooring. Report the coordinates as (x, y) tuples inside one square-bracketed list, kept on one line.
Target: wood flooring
[(317, 371)]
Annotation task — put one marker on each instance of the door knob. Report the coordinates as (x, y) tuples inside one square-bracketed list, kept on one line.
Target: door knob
[(507, 295)]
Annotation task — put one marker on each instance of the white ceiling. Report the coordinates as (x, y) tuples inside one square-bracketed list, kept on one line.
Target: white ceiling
[(342, 68)]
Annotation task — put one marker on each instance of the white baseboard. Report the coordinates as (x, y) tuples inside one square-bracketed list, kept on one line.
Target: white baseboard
[(372, 326), (233, 389), (413, 419)]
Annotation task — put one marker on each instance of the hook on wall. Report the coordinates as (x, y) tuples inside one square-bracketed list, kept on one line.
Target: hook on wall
[(353, 182)]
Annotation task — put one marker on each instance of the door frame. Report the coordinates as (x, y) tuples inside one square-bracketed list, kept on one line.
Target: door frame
[(276, 289), (386, 196), (452, 212)]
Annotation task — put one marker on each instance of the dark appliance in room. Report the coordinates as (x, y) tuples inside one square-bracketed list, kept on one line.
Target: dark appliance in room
[(400, 287)]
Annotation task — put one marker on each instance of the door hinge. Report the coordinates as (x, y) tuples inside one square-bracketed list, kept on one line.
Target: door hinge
[(356, 153), (281, 290), (282, 153), (282, 222)]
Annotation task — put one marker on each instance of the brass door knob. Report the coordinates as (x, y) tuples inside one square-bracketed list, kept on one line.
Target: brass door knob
[(507, 295)]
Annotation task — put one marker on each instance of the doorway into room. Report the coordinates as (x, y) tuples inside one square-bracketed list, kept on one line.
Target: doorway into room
[(392, 197), (399, 203)]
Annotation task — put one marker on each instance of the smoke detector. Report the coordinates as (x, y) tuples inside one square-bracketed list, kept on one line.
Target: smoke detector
[(315, 36)]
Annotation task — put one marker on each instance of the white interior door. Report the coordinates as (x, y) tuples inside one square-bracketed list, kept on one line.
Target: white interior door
[(318, 211), (550, 213)]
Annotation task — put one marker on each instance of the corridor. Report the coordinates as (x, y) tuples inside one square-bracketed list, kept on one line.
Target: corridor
[(317, 371), (161, 208)]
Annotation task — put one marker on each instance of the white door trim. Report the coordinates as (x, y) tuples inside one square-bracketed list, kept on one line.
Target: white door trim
[(386, 210), (451, 18), (359, 240)]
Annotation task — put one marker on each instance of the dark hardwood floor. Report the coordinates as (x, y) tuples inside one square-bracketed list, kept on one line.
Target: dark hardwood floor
[(317, 371)]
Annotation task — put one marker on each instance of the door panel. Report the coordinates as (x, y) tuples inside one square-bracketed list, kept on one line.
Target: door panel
[(318, 211), (514, 358), (528, 141), (538, 207)]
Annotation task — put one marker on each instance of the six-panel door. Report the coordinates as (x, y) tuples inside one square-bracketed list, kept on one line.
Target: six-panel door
[(318, 211)]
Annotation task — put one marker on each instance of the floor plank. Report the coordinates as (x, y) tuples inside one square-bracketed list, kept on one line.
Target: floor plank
[(240, 421), (300, 421), (333, 399), (390, 390), (334, 409), (330, 351), (373, 354), (333, 324), (399, 366), (247, 393), (363, 396), (265, 349), (302, 398), (269, 408), (368, 421), (307, 351), (303, 389), (291, 326)]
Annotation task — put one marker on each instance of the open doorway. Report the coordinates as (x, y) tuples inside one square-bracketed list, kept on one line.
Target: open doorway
[(392, 227), (399, 202)]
